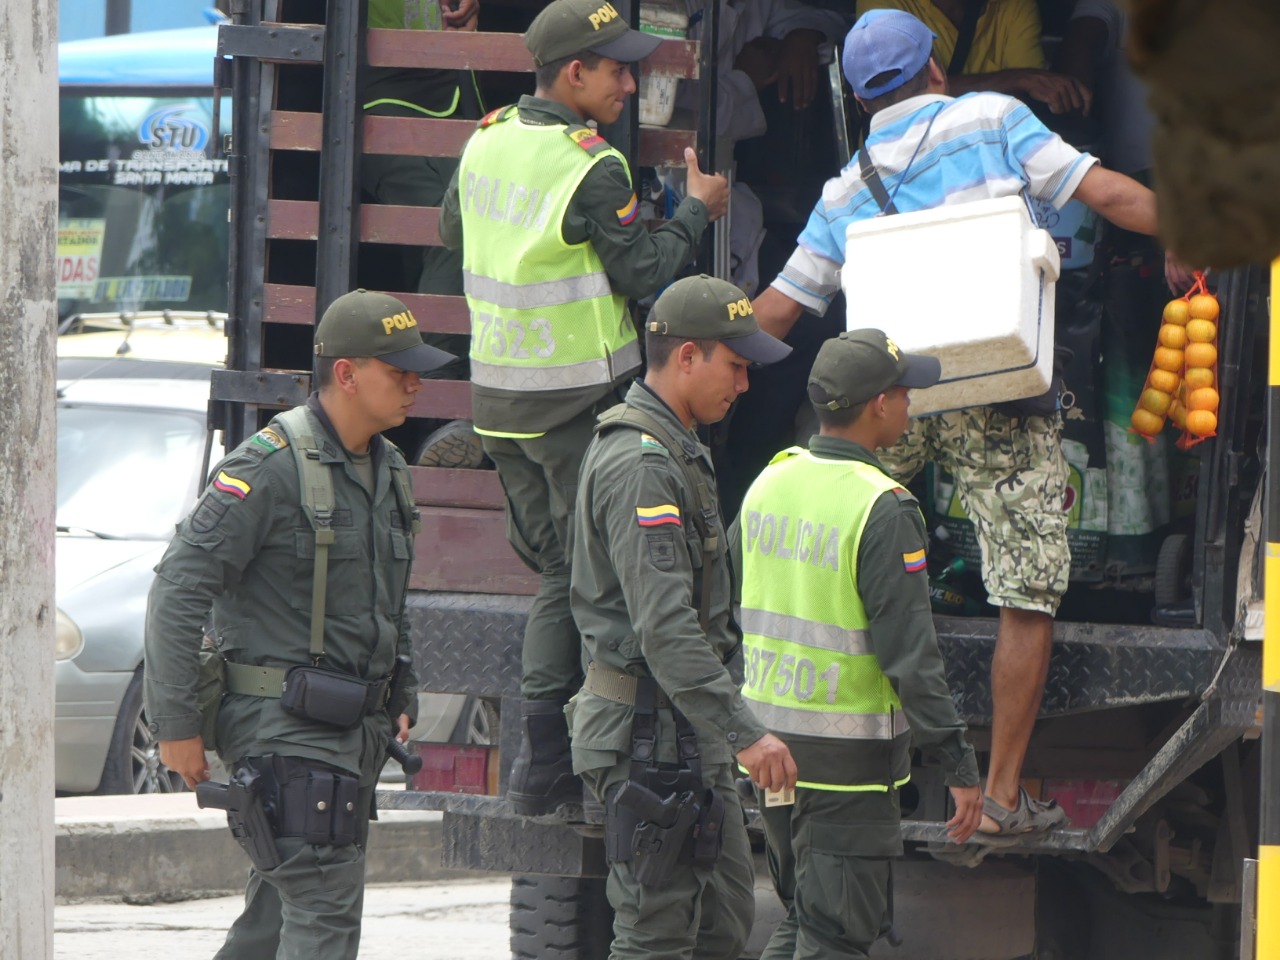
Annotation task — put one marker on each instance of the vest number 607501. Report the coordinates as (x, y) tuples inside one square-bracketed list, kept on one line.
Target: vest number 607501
[(793, 675)]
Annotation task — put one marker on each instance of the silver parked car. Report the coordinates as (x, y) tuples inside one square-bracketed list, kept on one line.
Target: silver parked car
[(131, 443)]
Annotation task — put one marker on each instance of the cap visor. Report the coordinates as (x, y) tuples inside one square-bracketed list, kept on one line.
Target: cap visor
[(921, 372), (758, 347), (632, 47), (419, 359)]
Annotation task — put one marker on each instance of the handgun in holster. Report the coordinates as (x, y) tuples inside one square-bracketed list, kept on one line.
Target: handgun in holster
[(243, 798), (663, 828)]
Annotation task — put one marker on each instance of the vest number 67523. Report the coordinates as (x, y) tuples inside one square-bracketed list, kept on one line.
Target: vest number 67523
[(505, 338), (788, 674)]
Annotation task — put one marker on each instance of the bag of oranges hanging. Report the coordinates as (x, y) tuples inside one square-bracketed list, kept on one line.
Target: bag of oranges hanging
[(1182, 382)]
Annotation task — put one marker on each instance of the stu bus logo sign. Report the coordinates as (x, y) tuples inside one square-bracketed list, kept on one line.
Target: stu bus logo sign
[(173, 128)]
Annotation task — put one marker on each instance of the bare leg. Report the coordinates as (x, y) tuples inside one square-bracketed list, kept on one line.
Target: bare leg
[(1018, 672)]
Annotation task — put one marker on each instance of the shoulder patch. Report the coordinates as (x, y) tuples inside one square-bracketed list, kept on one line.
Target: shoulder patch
[(586, 138), (232, 485), (905, 496), (496, 116), (627, 215), (651, 444), (914, 562), (664, 514), (269, 440)]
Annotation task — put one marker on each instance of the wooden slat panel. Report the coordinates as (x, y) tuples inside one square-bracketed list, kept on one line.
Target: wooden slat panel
[(285, 303), (444, 400), (293, 130), (467, 550), (409, 136), (449, 49), (293, 219), (399, 136), (379, 223), (479, 489), (410, 226), (452, 49)]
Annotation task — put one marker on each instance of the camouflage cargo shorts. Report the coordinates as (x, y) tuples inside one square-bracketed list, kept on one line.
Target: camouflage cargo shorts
[(1011, 477)]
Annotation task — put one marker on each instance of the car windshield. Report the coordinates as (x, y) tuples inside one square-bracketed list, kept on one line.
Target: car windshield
[(126, 473)]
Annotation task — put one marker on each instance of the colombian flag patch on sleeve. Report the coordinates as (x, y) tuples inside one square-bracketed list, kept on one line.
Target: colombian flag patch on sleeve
[(913, 562), (627, 215), (665, 513), (232, 485)]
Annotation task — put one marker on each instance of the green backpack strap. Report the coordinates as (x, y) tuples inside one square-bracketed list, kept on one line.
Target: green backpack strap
[(402, 484), (625, 415), (315, 484)]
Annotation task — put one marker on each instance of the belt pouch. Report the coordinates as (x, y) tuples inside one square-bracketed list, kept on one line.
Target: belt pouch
[(619, 830), (323, 696)]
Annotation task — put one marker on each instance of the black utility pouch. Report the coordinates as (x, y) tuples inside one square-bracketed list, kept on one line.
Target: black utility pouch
[(330, 808), (323, 696), (316, 802)]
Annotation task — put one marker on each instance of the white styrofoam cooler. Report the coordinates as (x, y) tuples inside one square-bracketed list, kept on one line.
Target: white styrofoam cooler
[(971, 284)]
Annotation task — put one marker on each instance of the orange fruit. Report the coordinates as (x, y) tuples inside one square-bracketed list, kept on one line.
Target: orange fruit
[(1201, 355), (1146, 422), (1178, 414), (1156, 401), (1199, 331), (1172, 335), (1169, 359), (1201, 423), (1165, 380), (1203, 307), (1177, 311), (1198, 377), (1206, 398)]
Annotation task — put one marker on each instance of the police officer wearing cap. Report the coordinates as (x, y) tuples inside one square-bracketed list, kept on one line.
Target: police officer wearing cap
[(660, 716), (840, 657), (546, 216), (290, 574)]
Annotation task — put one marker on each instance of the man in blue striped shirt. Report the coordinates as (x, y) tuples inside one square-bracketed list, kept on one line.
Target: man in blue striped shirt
[(931, 150)]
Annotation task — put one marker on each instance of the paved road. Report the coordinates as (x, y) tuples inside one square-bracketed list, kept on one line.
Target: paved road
[(464, 920)]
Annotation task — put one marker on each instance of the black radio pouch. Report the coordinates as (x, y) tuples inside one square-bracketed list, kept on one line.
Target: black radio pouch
[(313, 693)]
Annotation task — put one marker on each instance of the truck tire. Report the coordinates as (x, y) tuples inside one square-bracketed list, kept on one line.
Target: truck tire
[(1173, 566), (560, 918)]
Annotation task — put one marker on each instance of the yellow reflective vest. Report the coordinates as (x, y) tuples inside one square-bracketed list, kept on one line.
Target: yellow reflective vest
[(810, 674), (543, 314)]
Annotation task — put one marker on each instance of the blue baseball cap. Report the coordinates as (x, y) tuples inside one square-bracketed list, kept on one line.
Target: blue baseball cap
[(882, 41)]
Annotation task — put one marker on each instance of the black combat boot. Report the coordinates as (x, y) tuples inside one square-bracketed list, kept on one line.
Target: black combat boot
[(542, 776)]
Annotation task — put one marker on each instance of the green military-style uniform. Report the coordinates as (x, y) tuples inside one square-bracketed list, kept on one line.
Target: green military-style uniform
[(246, 553), (546, 214), (843, 664), (638, 571), (601, 212)]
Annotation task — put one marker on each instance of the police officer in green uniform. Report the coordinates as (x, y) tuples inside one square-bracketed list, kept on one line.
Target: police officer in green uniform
[(250, 553), (546, 216), (660, 717), (840, 656)]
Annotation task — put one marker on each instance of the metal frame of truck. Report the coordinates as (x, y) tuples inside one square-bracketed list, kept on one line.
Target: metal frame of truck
[(1150, 705)]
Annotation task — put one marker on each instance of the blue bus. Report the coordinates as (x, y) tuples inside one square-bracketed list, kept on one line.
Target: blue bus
[(143, 193)]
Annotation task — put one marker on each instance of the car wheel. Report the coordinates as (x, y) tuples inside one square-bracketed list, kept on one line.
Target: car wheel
[(478, 724), (133, 759)]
